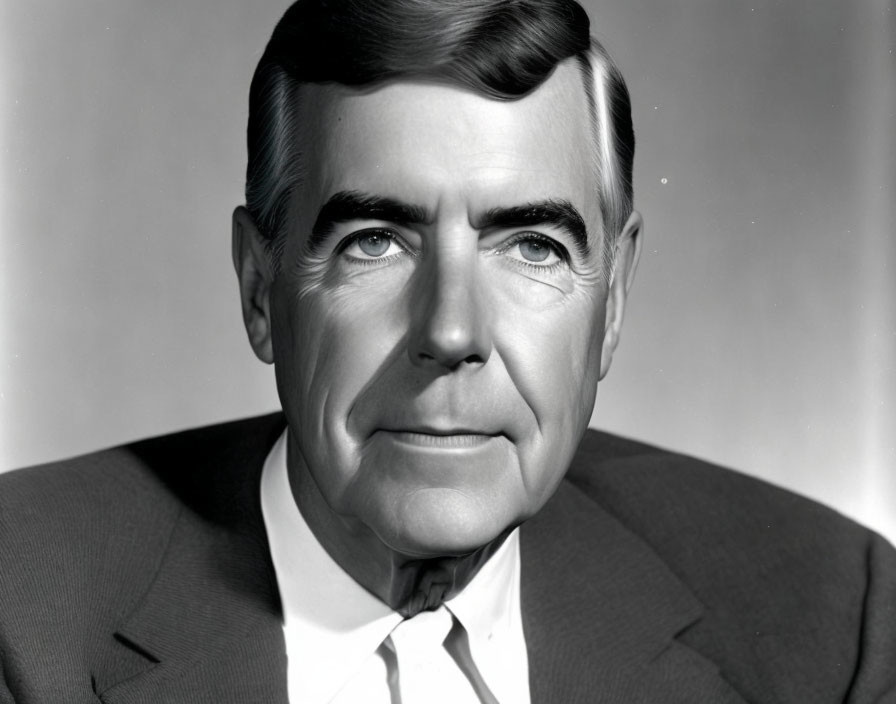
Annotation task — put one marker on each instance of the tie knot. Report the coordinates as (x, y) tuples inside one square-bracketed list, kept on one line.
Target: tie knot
[(426, 630)]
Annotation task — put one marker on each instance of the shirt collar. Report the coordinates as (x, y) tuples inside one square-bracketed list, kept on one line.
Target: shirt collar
[(489, 610), (341, 624)]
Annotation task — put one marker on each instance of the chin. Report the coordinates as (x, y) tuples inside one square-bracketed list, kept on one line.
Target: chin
[(444, 523)]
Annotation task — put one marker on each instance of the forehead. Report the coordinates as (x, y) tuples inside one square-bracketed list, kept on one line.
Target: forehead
[(441, 146)]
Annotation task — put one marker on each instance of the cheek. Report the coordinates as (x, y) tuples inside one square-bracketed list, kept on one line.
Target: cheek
[(332, 338), (329, 344), (552, 353), (551, 343)]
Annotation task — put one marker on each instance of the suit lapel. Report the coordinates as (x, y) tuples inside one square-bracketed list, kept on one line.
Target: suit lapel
[(601, 612), (209, 625)]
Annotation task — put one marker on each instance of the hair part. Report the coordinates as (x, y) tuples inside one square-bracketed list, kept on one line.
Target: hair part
[(502, 49)]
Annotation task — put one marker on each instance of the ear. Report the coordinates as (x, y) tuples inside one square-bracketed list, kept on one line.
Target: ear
[(628, 251), (253, 270)]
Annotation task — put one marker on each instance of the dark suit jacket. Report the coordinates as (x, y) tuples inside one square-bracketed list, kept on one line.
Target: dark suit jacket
[(142, 574)]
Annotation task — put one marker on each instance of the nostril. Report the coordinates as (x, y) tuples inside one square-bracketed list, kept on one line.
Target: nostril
[(470, 360), (473, 359), (448, 356)]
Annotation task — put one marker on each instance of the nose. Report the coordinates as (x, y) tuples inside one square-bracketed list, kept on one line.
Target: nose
[(449, 313)]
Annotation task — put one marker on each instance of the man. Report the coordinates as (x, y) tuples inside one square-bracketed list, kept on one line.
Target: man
[(435, 253)]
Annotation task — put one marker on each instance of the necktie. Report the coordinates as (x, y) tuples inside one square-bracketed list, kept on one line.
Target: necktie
[(426, 671)]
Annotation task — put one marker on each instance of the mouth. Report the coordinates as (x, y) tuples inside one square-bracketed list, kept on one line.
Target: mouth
[(446, 438)]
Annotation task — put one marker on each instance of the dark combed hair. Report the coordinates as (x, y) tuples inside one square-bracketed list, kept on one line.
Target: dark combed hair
[(502, 49)]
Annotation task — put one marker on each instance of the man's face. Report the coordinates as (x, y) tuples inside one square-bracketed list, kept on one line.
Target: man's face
[(438, 313)]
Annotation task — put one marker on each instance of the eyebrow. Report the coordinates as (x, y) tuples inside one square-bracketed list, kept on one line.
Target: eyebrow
[(558, 213), (346, 206)]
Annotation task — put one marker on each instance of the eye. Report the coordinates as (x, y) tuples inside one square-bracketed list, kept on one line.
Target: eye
[(535, 250), (372, 244)]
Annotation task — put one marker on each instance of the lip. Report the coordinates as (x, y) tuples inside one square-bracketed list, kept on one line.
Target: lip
[(432, 437)]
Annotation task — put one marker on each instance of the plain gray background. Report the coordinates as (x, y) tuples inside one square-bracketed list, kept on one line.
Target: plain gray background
[(762, 328)]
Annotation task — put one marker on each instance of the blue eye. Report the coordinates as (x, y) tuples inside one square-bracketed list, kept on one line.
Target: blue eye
[(534, 250), (374, 244), (368, 245)]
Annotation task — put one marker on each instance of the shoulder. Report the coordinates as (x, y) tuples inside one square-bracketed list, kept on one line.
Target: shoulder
[(139, 466), (126, 485), (700, 512), (790, 583), (86, 534), (645, 485)]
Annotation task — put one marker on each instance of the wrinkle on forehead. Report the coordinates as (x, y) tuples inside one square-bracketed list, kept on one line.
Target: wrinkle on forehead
[(431, 140)]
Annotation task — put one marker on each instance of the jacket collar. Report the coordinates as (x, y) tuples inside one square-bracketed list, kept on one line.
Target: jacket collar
[(600, 609)]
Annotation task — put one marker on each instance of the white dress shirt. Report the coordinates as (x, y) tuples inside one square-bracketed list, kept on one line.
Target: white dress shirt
[(337, 634)]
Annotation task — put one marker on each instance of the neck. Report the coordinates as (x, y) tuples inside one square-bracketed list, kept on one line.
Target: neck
[(417, 585), (409, 584)]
